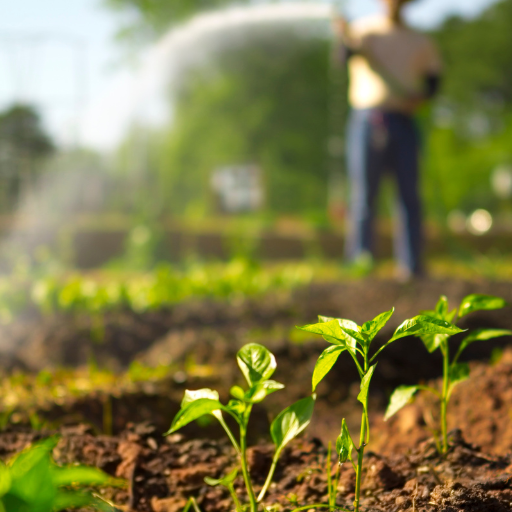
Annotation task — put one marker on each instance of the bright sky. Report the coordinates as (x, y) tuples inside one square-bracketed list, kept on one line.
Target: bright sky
[(61, 54)]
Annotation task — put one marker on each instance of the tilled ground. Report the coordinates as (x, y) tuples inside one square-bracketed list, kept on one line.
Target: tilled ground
[(162, 473)]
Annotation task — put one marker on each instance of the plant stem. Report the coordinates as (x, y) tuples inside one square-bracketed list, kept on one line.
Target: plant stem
[(238, 505), (360, 454), (270, 476), (243, 460), (444, 398), (229, 433), (329, 476)]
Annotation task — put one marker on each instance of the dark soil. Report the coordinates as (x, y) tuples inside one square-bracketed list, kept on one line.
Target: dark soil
[(162, 473)]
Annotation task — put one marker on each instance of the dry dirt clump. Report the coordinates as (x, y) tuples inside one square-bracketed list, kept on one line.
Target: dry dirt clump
[(162, 473), (481, 407)]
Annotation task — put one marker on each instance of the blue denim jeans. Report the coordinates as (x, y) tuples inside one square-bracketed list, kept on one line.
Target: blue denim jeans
[(379, 142)]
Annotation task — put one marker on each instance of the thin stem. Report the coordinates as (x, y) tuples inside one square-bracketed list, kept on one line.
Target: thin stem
[(229, 433), (379, 351), (360, 454), (359, 369), (329, 476), (319, 505), (243, 460), (270, 475), (444, 397), (232, 491)]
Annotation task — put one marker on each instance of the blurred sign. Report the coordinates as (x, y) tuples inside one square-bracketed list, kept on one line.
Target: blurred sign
[(238, 188)]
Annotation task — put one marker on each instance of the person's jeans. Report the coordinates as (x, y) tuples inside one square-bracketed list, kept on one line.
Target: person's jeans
[(380, 142)]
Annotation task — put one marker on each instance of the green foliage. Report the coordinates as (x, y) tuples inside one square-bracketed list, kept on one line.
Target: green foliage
[(257, 364), (347, 336), (454, 372), (32, 482)]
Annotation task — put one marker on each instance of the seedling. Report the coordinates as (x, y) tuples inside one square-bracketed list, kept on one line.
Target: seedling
[(32, 481), (347, 336), (257, 365), (453, 371)]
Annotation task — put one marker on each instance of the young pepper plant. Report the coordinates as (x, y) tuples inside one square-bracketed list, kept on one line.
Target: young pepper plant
[(347, 336), (454, 372), (257, 365)]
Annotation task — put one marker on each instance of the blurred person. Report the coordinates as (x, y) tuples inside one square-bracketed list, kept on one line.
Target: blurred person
[(393, 70)]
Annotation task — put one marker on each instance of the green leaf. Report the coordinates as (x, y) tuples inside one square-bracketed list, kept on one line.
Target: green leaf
[(226, 481), (371, 328), (477, 302), (336, 331), (365, 386), (400, 397), (261, 390), (236, 408), (83, 475), (442, 307), (5, 479), (458, 373), (325, 363), (256, 362), (344, 444), (433, 341), (422, 324), (193, 395), (69, 499), (193, 411), (291, 422), (237, 392), (483, 335)]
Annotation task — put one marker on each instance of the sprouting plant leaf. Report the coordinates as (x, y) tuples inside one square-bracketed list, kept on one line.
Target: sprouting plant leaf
[(235, 407), (344, 444), (400, 397), (442, 306), (422, 324), (193, 395), (365, 386), (64, 476), (5, 479), (458, 373), (433, 341), (483, 335), (193, 411), (256, 362), (261, 390), (225, 481), (291, 422), (237, 392), (325, 362), (337, 331), (371, 328), (478, 302)]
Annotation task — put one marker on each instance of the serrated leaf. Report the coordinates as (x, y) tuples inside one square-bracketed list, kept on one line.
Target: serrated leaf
[(261, 390), (422, 324), (483, 335), (256, 362), (478, 302), (225, 481), (5, 479), (458, 373), (291, 422), (344, 444), (365, 386), (400, 397), (193, 411), (371, 328), (325, 362)]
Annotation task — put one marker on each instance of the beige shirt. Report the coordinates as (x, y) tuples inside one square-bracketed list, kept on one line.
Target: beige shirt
[(390, 65)]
